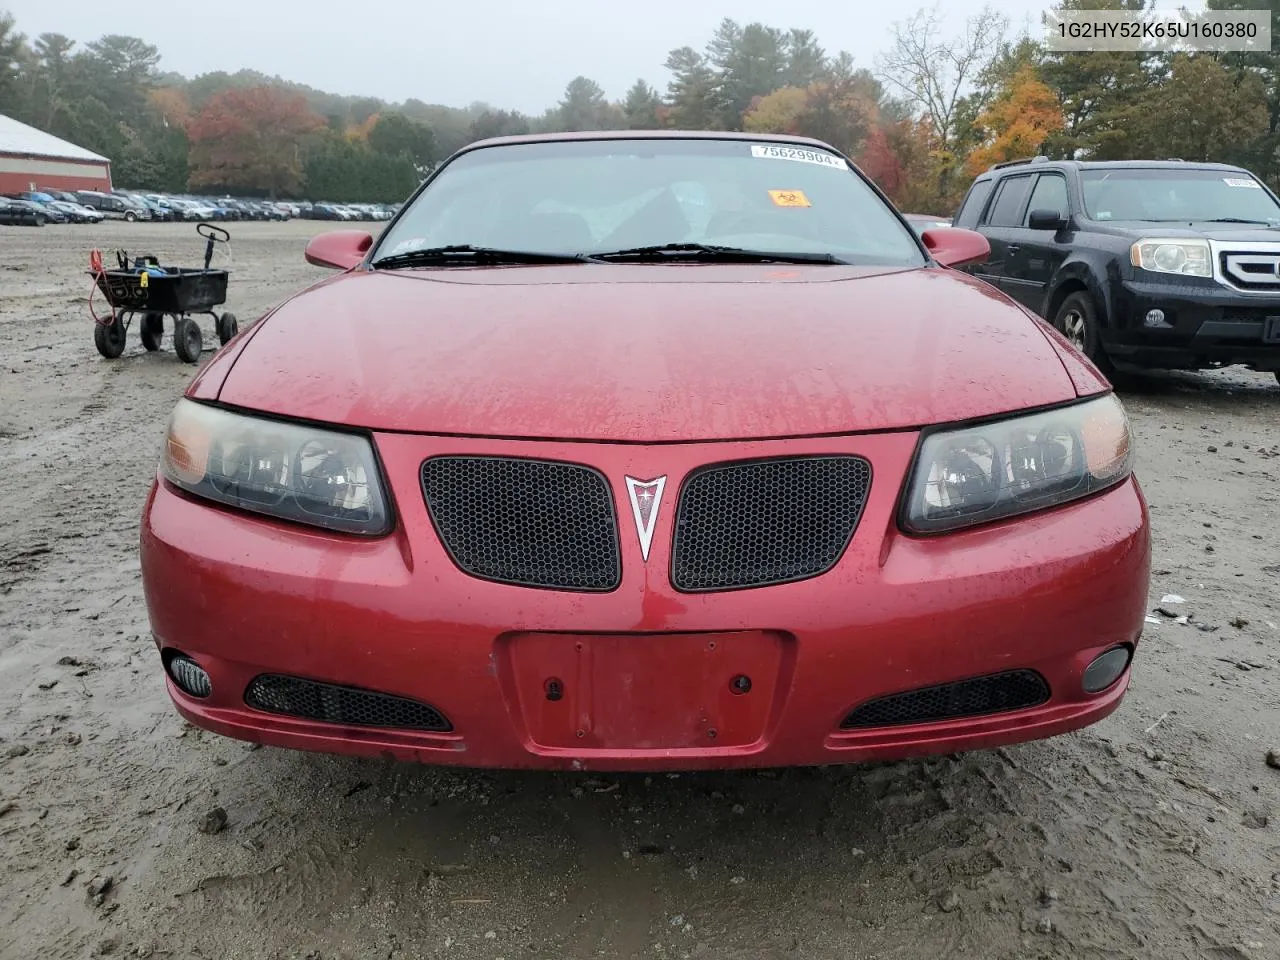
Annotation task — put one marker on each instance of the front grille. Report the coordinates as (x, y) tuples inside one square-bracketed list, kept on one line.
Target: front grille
[(346, 706), (1253, 270), (535, 523), (761, 522), (996, 693)]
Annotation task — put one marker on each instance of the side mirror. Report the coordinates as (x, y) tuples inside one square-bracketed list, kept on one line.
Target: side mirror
[(954, 247), (1046, 220), (340, 249)]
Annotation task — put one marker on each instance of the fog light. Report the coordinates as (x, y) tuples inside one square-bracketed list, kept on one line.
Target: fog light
[(1106, 669), (1155, 318), (190, 676)]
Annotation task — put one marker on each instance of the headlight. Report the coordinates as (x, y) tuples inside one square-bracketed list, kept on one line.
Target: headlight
[(319, 477), (979, 474), (1187, 257)]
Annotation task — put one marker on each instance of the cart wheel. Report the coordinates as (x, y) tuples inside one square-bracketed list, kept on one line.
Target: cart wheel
[(227, 327), (187, 341), (109, 337), (152, 330)]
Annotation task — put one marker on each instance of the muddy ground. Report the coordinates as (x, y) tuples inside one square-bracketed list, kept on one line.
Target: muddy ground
[(1154, 834)]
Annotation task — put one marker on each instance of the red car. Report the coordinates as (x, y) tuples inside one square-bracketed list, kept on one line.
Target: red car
[(646, 451)]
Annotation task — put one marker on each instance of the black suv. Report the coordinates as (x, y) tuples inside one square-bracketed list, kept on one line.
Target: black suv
[(1141, 263)]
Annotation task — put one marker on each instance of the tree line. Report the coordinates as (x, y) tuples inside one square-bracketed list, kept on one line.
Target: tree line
[(941, 103)]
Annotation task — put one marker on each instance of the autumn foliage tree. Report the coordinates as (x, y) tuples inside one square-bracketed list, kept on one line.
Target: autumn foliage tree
[(251, 138), (840, 110), (911, 181), (1023, 115), (880, 162), (779, 112)]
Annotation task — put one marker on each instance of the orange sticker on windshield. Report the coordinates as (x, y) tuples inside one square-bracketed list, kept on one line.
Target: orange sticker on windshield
[(789, 198)]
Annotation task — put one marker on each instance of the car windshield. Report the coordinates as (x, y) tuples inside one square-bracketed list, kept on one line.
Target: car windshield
[(598, 196), (1176, 195)]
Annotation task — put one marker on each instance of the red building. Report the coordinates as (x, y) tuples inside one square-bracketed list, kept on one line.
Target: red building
[(31, 159)]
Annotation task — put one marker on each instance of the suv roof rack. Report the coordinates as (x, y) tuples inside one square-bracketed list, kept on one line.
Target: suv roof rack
[(1014, 163)]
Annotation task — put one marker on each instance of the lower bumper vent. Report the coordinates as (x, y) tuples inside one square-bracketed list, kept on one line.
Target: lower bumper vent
[(998, 693), (346, 706)]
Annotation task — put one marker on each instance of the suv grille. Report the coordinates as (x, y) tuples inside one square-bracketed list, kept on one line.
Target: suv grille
[(996, 693), (347, 706), (535, 523), (1252, 270), (761, 522)]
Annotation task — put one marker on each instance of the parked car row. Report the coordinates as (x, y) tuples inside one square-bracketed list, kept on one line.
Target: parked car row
[(19, 213), (38, 207), (349, 211)]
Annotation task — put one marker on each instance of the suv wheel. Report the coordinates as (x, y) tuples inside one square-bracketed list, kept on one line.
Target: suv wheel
[(130, 216), (1077, 320)]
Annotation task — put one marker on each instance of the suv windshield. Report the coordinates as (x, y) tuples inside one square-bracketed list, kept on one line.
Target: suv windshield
[(597, 196), (1176, 195)]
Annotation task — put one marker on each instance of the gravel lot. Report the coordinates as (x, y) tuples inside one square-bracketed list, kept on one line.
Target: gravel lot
[(1153, 834)]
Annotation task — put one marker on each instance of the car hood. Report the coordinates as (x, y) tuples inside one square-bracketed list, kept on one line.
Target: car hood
[(643, 353)]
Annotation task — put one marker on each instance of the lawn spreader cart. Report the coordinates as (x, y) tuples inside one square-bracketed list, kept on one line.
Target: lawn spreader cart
[(144, 287)]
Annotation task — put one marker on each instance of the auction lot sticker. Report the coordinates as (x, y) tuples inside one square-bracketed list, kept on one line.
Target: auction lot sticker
[(771, 151), (789, 198)]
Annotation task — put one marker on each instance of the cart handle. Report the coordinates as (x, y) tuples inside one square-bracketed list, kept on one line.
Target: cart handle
[(210, 232), (213, 235)]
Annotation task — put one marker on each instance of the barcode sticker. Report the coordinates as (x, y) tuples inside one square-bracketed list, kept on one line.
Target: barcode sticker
[(799, 154)]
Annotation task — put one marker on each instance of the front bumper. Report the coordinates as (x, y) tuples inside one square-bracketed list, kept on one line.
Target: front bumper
[(245, 597), (1208, 325)]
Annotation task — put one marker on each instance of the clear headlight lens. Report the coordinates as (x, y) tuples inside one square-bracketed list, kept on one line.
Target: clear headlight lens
[(319, 477), (979, 474), (1187, 257)]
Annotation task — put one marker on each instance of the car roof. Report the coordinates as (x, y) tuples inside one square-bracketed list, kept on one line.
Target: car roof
[(649, 135), (1043, 163)]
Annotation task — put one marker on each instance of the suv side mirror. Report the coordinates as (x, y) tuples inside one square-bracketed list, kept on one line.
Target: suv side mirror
[(1046, 220)]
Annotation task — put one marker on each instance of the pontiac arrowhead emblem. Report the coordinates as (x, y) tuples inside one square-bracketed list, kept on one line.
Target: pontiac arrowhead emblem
[(645, 496)]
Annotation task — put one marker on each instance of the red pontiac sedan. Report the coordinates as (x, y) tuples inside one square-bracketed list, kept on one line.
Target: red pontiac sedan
[(646, 451)]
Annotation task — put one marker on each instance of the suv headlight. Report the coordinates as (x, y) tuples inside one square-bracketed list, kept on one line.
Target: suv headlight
[(1187, 257), (323, 478), (973, 475)]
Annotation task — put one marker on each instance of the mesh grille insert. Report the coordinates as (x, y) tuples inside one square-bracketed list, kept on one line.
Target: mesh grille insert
[(767, 521), (347, 706), (535, 523), (997, 693)]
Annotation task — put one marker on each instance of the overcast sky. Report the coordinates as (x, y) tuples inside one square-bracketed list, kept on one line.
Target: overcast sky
[(510, 54)]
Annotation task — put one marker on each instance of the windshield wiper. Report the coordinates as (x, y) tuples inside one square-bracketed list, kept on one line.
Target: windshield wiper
[(464, 254), (705, 251), (1266, 223)]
